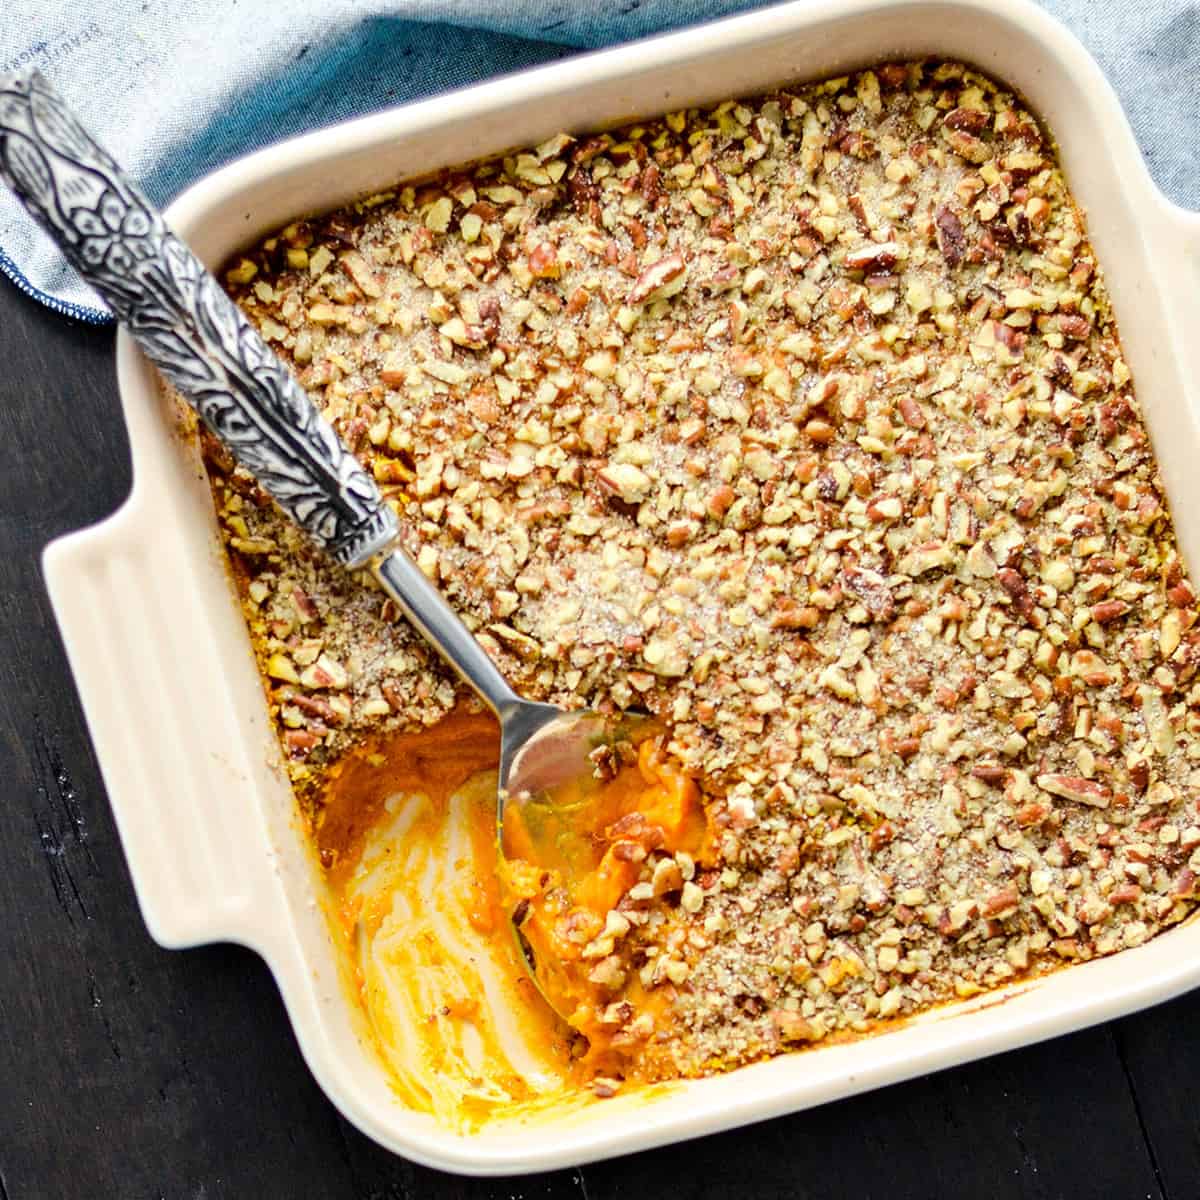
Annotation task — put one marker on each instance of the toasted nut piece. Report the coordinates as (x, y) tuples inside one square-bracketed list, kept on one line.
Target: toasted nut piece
[(951, 240), (720, 500), (667, 877), (692, 897), (630, 483), (363, 275), (872, 589), (879, 256), (279, 666), (660, 279), (970, 119), (1108, 610), (1000, 904), (790, 615), (885, 508), (1075, 787), (971, 148), (992, 773), (543, 262), (462, 334), (910, 410), (792, 1027), (665, 657)]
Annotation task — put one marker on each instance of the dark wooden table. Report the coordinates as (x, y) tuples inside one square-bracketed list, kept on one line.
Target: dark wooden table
[(129, 1071)]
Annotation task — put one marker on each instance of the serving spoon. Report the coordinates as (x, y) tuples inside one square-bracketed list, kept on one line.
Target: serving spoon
[(206, 347)]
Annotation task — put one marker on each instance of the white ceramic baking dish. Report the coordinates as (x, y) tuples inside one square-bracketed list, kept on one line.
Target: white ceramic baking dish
[(162, 658)]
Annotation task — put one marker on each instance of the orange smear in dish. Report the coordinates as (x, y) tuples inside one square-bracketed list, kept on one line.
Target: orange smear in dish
[(408, 838), (434, 761)]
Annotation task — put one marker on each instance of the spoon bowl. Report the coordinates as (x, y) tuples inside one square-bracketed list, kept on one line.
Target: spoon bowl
[(552, 765)]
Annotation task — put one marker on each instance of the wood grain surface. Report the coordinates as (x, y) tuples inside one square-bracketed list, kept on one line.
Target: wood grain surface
[(130, 1071)]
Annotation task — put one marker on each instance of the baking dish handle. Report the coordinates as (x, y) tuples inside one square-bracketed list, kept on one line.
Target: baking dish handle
[(195, 849)]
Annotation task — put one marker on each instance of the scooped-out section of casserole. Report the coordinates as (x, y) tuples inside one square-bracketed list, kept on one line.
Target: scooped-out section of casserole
[(802, 423)]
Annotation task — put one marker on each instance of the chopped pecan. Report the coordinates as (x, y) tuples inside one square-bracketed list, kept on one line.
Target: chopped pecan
[(1075, 787), (1014, 584), (659, 279), (1185, 885), (543, 261), (792, 1027), (872, 589), (626, 481), (967, 145), (993, 773), (1139, 776), (970, 119), (880, 256), (911, 411), (790, 615), (1108, 610), (1000, 904), (1074, 327), (1030, 814), (950, 237)]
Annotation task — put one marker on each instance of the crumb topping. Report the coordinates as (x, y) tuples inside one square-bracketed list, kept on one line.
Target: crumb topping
[(803, 423)]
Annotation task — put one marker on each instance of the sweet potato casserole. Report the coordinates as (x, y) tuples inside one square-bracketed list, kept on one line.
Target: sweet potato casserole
[(803, 424)]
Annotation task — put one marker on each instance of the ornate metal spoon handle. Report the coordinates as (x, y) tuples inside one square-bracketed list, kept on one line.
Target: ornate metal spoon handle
[(186, 325)]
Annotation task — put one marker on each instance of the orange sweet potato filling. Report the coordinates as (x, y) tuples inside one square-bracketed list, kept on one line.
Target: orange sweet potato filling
[(566, 877), (561, 878), (435, 761)]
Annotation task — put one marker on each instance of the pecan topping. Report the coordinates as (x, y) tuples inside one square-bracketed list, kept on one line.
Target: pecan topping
[(662, 278), (1012, 582), (970, 119), (846, 484), (875, 255), (1109, 610), (951, 240), (1074, 787), (872, 589)]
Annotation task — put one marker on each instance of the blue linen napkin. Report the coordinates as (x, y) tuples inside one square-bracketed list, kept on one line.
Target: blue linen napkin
[(174, 88)]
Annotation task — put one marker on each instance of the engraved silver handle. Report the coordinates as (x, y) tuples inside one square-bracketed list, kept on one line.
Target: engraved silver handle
[(186, 324)]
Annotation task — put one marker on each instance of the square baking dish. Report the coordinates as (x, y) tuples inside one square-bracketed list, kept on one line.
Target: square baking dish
[(162, 657)]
